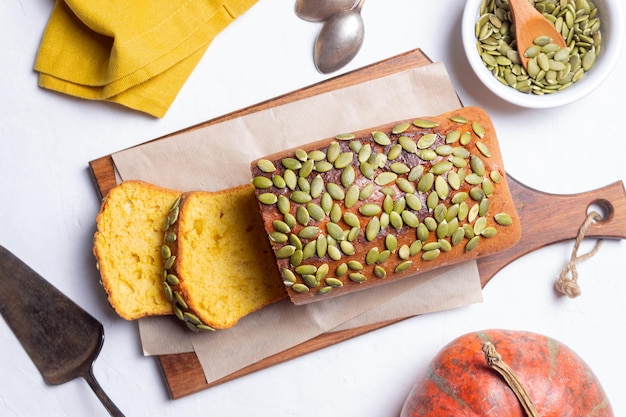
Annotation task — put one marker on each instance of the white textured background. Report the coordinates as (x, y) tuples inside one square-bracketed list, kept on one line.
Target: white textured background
[(48, 205)]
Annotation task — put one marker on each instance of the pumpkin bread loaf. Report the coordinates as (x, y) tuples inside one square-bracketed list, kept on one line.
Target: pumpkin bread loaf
[(127, 247), (365, 208), (219, 265)]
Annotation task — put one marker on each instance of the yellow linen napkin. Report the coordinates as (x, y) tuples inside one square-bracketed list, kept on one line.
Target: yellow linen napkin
[(137, 53)]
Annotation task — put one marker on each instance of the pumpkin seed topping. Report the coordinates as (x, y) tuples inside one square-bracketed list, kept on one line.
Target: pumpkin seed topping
[(371, 190)]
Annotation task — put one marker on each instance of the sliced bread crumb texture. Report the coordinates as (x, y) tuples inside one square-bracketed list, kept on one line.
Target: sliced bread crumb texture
[(127, 248), (218, 263)]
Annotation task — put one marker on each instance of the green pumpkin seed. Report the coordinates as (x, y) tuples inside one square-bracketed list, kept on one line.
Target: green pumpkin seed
[(477, 165), (453, 136), (427, 154), (335, 191), (404, 252), (472, 243), (394, 152), (278, 237), (400, 128), (413, 202), (296, 258), (415, 173), (325, 290), (289, 278), (278, 181), (355, 146), (335, 231), (321, 272), (345, 136), (372, 229), (335, 213), (304, 185), (364, 153), (317, 187), (285, 252), (321, 246), (426, 141), (403, 266), (425, 124), (300, 197), (446, 246), (366, 192), (300, 288), (266, 165), (316, 212), (384, 256), (291, 163), (306, 169), (344, 160), (347, 247), (386, 178), (457, 236), (422, 232), (503, 219), (407, 144), (380, 272), (261, 182), (429, 255), (291, 179), (369, 209), (333, 282), (290, 220), (316, 155), (342, 269), (381, 138), (355, 265), (372, 256), (391, 243), (396, 220), (268, 198), (352, 196), (334, 253), (357, 277), (441, 187), (308, 232), (295, 241), (410, 219), (169, 262), (351, 219), (306, 270), (426, 182), (323, 166)]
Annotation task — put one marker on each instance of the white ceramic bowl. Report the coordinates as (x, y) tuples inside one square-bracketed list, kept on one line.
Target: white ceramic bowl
[(612, 30)]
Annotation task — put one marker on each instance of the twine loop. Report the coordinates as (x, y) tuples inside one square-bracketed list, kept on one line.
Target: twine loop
[(568, 285)]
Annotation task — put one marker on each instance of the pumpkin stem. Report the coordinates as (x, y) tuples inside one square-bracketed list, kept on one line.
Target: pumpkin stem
[(494, 360)]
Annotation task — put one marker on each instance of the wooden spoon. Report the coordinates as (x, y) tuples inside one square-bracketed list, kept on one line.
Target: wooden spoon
[(530, 24)]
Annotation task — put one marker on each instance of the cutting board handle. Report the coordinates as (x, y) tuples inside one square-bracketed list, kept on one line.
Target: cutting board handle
[(550, 218)]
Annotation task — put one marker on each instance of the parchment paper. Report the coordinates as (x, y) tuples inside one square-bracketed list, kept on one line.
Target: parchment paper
[(218, 156)]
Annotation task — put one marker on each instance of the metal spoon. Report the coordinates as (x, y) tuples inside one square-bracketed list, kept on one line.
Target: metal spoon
[(320, 10), (529, 24), (339, 40)]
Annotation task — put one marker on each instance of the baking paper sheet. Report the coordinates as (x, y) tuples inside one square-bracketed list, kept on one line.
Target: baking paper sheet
[(218, 156)]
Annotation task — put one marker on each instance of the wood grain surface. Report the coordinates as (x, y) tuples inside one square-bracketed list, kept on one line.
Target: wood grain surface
[(566, 213)]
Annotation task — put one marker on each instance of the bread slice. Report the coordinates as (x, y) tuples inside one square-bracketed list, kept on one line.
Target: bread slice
[(220, 266), (127, 247)]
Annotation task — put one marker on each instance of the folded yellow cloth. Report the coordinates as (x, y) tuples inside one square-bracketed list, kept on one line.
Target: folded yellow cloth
[(137, 53)]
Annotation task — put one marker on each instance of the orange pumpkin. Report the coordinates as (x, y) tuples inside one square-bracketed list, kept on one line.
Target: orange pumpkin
[(460, 382)]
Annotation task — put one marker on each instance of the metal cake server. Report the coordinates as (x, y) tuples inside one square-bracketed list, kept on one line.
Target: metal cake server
[(61, 338)]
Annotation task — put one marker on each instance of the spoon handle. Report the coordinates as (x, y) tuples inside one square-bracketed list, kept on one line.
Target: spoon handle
[(104, 399)]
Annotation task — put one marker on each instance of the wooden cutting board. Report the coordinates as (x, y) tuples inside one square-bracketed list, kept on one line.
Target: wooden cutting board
[(566, 213)]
